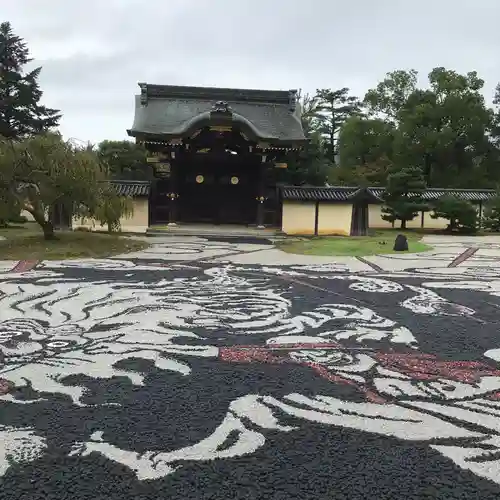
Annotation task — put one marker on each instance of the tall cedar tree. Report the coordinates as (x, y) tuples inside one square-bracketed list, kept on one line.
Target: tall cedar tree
[(403, 196), (21, 114), (334, 108), (309, 166)]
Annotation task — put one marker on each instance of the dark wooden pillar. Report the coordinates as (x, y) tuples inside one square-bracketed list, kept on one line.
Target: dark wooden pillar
[(173, 193), (261, 193), (260, 212), (61, 217), (316, 218), (353, 221), (151, 202)]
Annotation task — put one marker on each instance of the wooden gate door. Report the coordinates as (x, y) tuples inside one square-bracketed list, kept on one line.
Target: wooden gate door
[(218, 191)]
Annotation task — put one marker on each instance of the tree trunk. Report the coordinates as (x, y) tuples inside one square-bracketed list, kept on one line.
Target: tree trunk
[(48, 231), (47, 226), (428, 169), (403, 224)]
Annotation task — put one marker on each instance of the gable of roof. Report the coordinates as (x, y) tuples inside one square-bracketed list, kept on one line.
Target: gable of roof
[(375, 194), (170, 111)]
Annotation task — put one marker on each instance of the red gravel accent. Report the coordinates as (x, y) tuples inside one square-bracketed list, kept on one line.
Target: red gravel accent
[(428, 367), (418, 367), (272, 355), (467, 254), (24, 265), (5, 386)]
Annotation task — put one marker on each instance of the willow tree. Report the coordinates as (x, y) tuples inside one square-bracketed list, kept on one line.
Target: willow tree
[(43, 171), (111, 208)]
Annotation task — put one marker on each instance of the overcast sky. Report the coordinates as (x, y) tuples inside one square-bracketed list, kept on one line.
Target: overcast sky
[(94, 52)]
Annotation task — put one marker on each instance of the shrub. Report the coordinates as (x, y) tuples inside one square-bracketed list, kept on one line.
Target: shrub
[(491, 218)]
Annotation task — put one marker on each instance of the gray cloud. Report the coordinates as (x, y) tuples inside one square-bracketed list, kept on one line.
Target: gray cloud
[(93, 53)]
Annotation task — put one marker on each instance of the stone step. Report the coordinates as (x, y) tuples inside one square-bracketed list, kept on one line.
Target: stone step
[(213, 231)]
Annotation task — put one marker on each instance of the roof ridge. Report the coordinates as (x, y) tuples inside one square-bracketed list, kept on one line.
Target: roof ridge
[(217, 93)]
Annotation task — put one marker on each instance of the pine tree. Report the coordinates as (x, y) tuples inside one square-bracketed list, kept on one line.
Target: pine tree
[(403, 196), (21, 114), (491, 220), (462, 214), (335, 107)]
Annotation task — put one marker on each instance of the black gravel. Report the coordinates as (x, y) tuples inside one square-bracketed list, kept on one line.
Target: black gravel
[(171, 411)]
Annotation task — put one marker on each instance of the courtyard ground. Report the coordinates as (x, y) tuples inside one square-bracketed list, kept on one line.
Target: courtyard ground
[(380, 242), (25, 242), (199, 368)]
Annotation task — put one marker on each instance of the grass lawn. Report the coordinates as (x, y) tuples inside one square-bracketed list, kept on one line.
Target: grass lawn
[(355, 246), (25, 242)]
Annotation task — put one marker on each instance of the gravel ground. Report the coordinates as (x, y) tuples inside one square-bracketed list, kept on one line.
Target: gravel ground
[(142, 379)]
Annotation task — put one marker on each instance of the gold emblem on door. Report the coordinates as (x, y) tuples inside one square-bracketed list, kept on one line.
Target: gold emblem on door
[(234, 180)]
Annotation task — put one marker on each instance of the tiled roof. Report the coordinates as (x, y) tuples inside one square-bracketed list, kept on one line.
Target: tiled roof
[(436, 193), (131, 188), (302, 193), (341, 193), (269, 114), (465, 194)]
